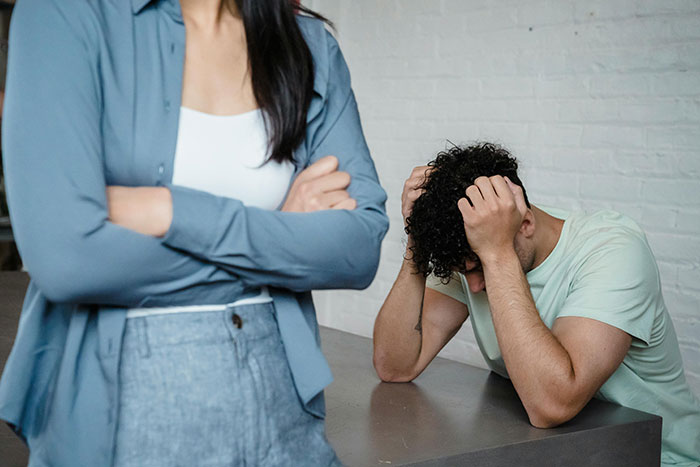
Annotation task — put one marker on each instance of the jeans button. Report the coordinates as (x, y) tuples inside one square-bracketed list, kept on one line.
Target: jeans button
[(237, 321)]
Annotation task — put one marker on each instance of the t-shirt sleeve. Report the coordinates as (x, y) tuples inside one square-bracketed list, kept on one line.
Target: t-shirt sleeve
[(618, 285), (452, 289)]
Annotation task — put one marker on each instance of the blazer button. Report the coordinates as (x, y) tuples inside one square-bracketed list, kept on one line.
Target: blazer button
[(167, 106)]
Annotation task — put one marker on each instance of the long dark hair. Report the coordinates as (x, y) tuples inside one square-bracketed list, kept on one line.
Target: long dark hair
[(282, 70)]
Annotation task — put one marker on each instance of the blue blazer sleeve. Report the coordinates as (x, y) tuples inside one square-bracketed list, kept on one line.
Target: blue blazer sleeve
[(297, 251), (52, 150)]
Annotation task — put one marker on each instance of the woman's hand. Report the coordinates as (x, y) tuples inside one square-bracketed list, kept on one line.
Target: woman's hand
[(147, 210), (320, 186)]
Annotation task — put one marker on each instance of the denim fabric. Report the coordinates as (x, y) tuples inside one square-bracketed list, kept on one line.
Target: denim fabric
[(196, 390)]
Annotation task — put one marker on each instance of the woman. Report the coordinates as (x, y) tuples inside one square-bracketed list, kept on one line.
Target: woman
[(168, 322)]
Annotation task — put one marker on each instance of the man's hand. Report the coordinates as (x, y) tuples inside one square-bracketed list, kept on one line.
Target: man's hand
[(412, 189), (493, 212), (147, 210), (318, 187)]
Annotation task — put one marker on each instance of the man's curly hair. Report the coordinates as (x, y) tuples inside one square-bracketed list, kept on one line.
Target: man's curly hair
[(439, 243)]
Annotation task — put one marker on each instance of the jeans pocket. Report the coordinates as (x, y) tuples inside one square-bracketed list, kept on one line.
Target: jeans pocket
[(262, 410), (280, 413)]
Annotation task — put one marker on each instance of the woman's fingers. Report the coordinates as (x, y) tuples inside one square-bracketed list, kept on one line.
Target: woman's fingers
[(330, 182), (330, 199), (348, 204), (323, 166), (313, 183)]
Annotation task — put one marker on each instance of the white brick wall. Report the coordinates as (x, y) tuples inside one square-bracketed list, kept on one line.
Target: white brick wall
[(600, 101)]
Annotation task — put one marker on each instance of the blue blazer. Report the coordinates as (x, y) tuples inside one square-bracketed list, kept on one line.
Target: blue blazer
[(92, 99)]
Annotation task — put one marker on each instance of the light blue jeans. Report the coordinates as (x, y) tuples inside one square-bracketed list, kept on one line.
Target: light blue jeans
[(198, 390)]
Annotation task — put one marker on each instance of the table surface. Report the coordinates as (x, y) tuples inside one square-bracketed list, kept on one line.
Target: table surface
[(13, 453), (456, 414), (453, 414)]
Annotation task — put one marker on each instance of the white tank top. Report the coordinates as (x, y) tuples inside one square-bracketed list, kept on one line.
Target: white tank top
[(224, 155)]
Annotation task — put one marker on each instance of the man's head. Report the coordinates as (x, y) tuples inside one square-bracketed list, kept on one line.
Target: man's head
[(436, 226)]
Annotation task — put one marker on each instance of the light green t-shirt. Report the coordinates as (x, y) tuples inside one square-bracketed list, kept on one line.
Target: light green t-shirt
[(602, 268)]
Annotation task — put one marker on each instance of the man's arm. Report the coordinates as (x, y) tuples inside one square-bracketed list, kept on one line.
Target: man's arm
[(415, 322), (554, 372), (413, 325)]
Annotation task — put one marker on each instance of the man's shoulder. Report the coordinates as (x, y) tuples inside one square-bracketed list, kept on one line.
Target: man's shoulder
[(593, 227), (613, 241), (606, 219)]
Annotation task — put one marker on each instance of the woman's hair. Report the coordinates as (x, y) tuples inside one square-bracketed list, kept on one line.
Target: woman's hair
[(440, 245), (282, 70)]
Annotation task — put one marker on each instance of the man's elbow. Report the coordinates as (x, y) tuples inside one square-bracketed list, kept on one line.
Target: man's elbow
[(550, 415), (391, 373)]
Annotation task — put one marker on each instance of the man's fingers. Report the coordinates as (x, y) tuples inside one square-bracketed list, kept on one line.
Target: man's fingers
[(421, 171), (413, 183), (487, 191), (475, 196), (501, 187), (414, 195), (518, 195), (323, 166), (465, 208), (418, 176), (348, 204), (412, 188)]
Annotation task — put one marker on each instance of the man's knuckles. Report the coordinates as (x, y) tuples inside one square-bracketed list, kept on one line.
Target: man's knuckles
[(473, 192), (508, 204)]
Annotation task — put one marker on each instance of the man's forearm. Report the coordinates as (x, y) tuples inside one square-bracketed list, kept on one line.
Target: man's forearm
[(397, 329), (538, 365)]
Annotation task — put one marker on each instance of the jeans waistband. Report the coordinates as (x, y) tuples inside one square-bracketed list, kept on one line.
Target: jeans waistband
[(246, 322), (251, 297)]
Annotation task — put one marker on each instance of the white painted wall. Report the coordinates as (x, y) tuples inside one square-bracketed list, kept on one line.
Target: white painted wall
[(600, 101)]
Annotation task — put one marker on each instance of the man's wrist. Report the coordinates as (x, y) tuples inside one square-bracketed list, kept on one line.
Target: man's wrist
[(498, 258)]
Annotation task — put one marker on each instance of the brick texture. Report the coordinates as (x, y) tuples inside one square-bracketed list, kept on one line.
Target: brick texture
[(599, 100)]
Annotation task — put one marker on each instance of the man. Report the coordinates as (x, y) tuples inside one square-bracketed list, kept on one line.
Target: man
[(567, 305)]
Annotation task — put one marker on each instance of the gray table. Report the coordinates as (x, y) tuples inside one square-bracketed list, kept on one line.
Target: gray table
[(13, 453), (453, 414), (456, 414)]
